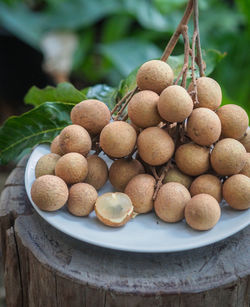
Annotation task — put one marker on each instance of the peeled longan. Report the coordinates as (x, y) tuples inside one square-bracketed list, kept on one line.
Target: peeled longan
[(97, 172), (82, 198), (118, 139), (245, 141), (207, 184), (228, 157), (204, 126), (142, 109), (154, 75), (91, 114), (171, 201), (49, 192), (75, 138), (122, 171), (236, 192), (175, 175), (46, 165), (202, 212), (140, 190), (246, 169), (155, 146), (209, 93), (175, 104), (55, 146), (192, 159), (72, 168), (234, 121)]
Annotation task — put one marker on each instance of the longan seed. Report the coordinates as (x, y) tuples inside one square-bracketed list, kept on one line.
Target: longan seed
[(97, 172), (175, 175), (46, 165), (55, 146)]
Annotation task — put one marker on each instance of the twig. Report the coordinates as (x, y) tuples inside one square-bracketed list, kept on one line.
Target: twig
[(153, 170), (127, 100), (193, 68), (125, 117), (120, 102), (159, 182)]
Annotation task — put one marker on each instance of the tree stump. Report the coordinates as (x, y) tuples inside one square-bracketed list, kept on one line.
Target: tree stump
[(44, 267)]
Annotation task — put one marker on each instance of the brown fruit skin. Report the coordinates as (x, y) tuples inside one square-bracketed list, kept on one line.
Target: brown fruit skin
[(75, 138), (118, 139), (246, 169), (175, 175), (245, 141), (236, 192), (140, 190), (46, 165), (97, 172), (202, 212), (207, 184), (154, 75), (192, 159), (91, 114), (55, 147), (175, 104), (49, 193), (204, 127), (142, 109), (72, 168), (228, 157), (209, 93), (155, 146), (122, 171), (82, 198), (171, 201), (234, 121)]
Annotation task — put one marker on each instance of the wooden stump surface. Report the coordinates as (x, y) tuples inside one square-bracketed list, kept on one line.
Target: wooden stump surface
[(44, 267)]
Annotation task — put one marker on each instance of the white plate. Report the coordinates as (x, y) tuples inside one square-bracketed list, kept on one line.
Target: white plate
[(145, 233)]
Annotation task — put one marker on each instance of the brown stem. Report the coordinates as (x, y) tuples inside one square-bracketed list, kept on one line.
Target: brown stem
[(159, 182), (120, 102), (127, 100), (125, 117), (153, 170), (194, 92)]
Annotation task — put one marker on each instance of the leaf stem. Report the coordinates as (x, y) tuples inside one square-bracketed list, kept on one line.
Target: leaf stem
[(196, 29)]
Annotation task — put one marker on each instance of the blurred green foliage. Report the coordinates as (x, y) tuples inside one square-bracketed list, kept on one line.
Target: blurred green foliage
[(116, 36)]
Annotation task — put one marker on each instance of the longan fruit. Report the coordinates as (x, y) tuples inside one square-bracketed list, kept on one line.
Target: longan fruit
[(204, 126), (175, 104), (49, 192), (202, 212), (140, 190), (207, 184), (246, 169), (175, 175), (55, 146), (142, 109), (208, 92), (155, 146), (118, 139), (154, 75), (91, 114), (228, 157), (72, 168), (82, 198), (234, 121), (245, 141), (192, 159), (97, 172), (170, 202), (236, 192), (75, 138), (122, 171), (46, 165)]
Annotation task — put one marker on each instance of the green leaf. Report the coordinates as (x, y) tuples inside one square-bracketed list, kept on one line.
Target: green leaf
[(64, 92), (40, 125), (127, 84)]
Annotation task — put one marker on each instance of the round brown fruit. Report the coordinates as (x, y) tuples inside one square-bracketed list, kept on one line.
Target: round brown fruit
[(91, 114), (245, 141), (122, 171), (175, 175), (46, 165), (154, 75), (142, 109), (114, 209), (202, 212), (228, 157), (207, 184), (55, 147), (75, 138), (209, 93), (72, 168), (155, 146), (236, 192), (234, 121), (97, 172), (171, 201), (175, 104), (82, 198), (204, 126), (192, 159), (49, 192), (246, 169), (140, 190), (118, 139)]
